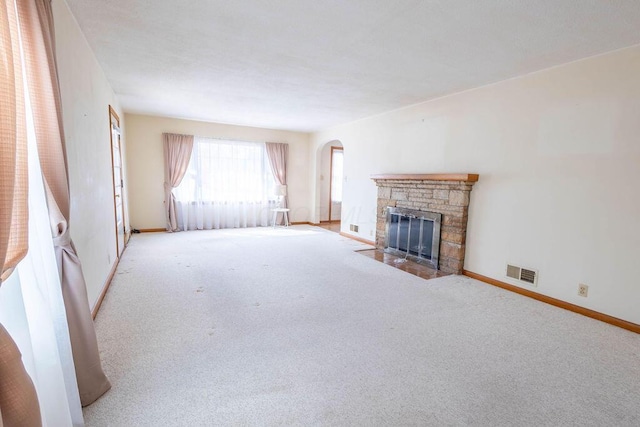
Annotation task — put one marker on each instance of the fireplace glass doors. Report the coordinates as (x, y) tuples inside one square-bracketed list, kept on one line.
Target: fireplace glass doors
[(413, 234)]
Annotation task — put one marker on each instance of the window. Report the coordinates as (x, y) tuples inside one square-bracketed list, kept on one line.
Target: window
[(228, 184), (226, 171), (337, 157)]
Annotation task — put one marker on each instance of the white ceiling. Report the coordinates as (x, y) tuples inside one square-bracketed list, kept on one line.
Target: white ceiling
[(308, 64)]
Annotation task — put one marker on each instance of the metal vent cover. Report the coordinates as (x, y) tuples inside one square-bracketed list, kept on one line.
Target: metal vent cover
[(526, 275), (513, 272)]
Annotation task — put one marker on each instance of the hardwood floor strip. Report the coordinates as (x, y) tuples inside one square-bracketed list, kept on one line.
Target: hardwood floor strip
[(359, 239), (633, 327)]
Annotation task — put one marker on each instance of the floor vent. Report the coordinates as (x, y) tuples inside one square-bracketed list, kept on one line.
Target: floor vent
[(522, 274)]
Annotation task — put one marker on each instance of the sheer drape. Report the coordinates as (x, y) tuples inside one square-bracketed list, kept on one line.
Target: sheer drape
[(36, 27), (177, 153), (278, 154), (227, 185), (32, 309)]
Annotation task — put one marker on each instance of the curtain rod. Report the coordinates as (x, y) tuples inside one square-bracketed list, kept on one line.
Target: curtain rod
[(230, 139)]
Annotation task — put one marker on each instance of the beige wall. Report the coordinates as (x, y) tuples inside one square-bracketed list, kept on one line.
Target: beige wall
[(86, 96), (559, 162), (146, 167)]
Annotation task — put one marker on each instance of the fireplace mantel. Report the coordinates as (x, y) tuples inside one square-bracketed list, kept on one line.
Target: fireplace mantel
[(445, 193), (464, 177)]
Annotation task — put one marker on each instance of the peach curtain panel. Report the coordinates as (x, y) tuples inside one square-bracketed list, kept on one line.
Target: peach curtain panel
[(13, 151), (18, 399), (177, 154), (36, 26), (278, 155)]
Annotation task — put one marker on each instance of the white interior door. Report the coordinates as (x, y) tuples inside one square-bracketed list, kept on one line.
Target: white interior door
[(118, 201)]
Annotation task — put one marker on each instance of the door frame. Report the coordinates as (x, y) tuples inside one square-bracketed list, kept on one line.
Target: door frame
[(114, 119), (333, 148)]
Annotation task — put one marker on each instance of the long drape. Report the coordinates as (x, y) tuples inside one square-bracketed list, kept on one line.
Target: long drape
[(278, 154), (32, 310), (177, 152), (13, 149), (18, 399), (36, 23), (210, 215)]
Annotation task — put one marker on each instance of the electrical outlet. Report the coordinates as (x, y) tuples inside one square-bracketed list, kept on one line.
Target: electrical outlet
[(583, 290), (371, 233)]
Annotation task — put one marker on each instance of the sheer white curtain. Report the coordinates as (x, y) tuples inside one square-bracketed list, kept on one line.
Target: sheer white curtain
[(229, 184), (32, 310)]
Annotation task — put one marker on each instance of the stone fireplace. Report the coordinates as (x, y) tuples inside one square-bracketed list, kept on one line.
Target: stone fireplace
[(445, 194)]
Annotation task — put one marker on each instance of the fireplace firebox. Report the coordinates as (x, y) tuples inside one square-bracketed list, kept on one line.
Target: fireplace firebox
[(413, 234)]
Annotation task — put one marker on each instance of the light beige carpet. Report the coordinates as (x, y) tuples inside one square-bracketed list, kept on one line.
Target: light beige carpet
[(292, 327)]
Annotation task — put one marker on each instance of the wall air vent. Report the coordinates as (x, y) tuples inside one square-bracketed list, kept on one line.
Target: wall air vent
[(522, 274), (513, 272)]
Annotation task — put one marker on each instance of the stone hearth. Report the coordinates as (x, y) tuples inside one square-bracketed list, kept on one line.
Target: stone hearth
[(447, 194)]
